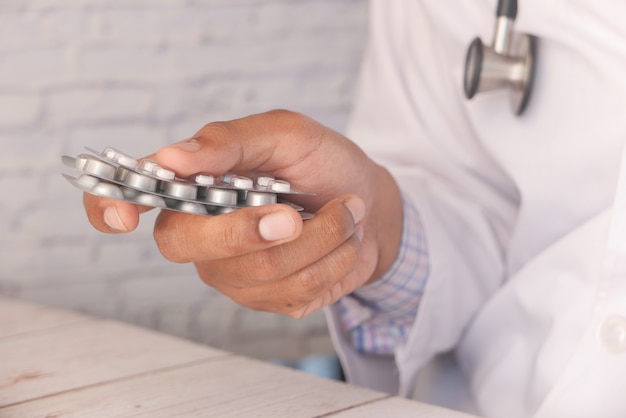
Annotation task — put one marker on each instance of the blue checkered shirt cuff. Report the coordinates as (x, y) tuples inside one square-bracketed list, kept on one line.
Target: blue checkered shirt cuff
[(378, 316)]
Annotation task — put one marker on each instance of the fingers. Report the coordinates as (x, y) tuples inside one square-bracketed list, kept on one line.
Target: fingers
[(317, 285), (184, 238), (112, 216), (330, 259), (267, 142), (248, 143), (332, 226)]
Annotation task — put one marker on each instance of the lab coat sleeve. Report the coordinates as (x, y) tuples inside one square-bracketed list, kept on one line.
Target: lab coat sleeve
[(410, 120)]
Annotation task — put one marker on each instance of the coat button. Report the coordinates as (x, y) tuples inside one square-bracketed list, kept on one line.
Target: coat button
[(612, 334)]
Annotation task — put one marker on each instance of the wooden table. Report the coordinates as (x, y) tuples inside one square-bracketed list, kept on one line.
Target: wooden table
[(56, 363)]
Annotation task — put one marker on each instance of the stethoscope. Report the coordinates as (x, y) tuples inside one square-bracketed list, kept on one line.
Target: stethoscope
[(507, 63)]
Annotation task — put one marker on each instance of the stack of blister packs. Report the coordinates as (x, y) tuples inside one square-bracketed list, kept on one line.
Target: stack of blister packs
[(116, 175)]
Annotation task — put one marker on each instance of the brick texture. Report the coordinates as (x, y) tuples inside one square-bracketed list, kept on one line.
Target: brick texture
[(139, 74)]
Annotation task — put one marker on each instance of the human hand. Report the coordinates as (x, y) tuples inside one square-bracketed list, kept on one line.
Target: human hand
[(265, 257)]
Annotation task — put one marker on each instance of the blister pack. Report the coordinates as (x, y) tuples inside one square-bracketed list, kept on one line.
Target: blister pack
[(116, 175)]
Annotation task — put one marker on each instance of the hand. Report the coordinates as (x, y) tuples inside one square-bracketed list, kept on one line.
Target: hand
[(266, 258)]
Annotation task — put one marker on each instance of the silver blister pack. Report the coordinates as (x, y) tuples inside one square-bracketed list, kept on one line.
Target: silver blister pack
[(116, 175)]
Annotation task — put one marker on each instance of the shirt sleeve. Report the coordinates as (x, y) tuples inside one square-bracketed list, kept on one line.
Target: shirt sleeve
[(378, 317)]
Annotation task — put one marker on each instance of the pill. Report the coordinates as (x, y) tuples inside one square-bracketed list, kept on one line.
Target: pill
[(108, 190), (227, 178), (221, 196), (191, 207), (280, 186), (135, 180), (87, 182), (119, 157), (154, 169), (241, 182), (264, 181), (147, 166), (92, 165), (223, 211), (163, 173), (129, 193), (203, 179), (188, 191), (147, 199), (260, 199), (121, 173)]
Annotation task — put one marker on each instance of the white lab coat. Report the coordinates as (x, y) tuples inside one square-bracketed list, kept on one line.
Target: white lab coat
[(524, 312)]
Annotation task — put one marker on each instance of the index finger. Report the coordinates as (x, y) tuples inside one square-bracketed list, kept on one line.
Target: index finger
[(268, 141), (110, 215), (113, 216)]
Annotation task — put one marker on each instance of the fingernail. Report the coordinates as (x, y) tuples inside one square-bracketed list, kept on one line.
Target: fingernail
[(356, 208), (113, 221), (277, 226), (188, 145)]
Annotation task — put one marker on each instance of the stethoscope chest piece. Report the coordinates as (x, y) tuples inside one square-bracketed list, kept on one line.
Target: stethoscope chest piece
[(508, 63)]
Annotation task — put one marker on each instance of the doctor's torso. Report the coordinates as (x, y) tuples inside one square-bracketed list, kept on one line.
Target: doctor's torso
[(551, 340)]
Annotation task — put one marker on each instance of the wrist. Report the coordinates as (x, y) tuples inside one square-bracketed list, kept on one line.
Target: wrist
[(386, 221)]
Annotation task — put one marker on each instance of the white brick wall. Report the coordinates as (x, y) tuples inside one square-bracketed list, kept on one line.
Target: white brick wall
[(138, 74)]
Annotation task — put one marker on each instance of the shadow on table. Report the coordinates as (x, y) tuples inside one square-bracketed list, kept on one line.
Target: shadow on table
[(327, 366)]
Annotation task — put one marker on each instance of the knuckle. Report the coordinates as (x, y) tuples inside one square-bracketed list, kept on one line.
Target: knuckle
[(288, 119), (169, 250), (283, 114), (346, 258), (215, 128), (210, 275), (318, 279), (311, 284), (232, 240), (167, 244), (267, 266), (335, 228), (242, 299), (298, 314)]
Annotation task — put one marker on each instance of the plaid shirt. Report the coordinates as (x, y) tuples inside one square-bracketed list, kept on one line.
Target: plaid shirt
[(378, 316)]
